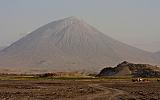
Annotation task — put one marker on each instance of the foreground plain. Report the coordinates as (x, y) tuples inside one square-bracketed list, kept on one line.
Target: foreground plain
[(78, 89)]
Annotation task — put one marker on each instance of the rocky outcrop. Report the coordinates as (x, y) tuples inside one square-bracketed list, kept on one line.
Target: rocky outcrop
[(129, 69)]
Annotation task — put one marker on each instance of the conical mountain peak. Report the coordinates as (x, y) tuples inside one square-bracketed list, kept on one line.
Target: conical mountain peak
[(72, 18), (69, 44)]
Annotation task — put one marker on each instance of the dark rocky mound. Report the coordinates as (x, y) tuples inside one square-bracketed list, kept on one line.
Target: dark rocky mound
[(129, 69)]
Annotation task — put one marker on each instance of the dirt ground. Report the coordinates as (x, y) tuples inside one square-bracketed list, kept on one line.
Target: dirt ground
[(78, 90), (137, 91)]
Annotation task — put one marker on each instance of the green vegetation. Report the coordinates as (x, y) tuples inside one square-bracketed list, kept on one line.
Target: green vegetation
[(37, 77), (60, 78)]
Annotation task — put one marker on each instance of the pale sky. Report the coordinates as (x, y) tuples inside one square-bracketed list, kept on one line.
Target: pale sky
[(135, 22)]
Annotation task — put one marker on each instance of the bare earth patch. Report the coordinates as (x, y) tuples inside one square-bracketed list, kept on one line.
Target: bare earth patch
[(43, 90), (78, 90), (137, 91)]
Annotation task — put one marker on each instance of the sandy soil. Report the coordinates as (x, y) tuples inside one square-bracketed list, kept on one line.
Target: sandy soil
[(78, 90)]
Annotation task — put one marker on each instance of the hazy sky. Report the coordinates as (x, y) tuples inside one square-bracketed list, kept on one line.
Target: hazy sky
[(135, 22)]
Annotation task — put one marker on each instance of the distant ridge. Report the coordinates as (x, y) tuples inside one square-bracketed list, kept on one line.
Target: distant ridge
[(69, 44), (157, 56), (157, 53), (1, 48)]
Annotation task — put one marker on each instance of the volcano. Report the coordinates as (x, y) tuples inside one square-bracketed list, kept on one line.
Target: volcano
[(69, 44)]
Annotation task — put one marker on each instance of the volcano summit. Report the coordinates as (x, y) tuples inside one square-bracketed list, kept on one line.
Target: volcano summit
[(69, 44)]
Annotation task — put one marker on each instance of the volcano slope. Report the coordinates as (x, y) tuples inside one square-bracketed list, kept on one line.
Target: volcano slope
[(68, 44)]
